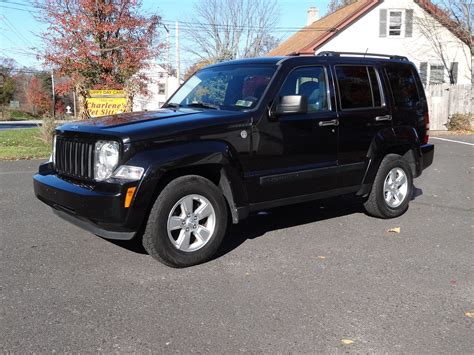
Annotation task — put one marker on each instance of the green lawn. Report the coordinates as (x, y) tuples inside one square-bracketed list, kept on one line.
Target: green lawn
[(22, 144)]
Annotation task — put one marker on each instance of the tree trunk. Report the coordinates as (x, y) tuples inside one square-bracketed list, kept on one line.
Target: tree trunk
[(81, 94), (129, 94)]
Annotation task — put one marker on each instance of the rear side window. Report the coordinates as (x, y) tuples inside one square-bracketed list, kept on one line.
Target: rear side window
[(358, 87), (403, 84)]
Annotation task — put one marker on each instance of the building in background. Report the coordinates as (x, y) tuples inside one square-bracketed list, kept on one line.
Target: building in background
[(416, 29), (162, 84)]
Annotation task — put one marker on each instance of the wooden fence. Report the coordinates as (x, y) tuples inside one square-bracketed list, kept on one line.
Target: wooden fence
[(445, 100)]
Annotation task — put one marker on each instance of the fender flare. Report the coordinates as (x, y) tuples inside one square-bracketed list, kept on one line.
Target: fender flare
[(401, 140), (161, 160)]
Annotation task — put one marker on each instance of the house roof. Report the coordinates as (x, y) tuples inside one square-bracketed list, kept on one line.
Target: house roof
[(308, 38)]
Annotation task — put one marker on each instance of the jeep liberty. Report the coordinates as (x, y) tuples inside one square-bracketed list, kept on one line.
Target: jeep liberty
[(239, 137)]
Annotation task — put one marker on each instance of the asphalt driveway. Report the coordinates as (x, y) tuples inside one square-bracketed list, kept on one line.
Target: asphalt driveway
[(296, 279)]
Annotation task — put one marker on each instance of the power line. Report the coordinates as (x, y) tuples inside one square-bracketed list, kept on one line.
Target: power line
[(8, 38), (21, 52), (15, 30), (15, 8), (205, 26), (29, 5), (196, 25)]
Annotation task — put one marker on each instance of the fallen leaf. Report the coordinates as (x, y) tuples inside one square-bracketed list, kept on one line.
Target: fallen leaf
[(321, 257), (394, 230), (347, 341), (469, 314)]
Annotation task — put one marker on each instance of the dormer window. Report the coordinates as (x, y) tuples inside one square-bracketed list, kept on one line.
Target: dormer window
[(395, 23)]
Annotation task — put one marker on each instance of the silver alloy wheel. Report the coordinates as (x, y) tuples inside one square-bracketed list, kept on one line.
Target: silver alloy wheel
[(191, 223), (395, 187)]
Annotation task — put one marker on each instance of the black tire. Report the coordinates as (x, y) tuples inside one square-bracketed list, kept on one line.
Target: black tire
[(155, 238), (375, 205)]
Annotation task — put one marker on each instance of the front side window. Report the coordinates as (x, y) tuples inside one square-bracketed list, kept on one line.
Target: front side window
[(227, 87), (395, 23), (310, 82), (403, 84), (358, 87)]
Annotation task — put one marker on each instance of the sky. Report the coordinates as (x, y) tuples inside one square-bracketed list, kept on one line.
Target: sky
[(20, 32)]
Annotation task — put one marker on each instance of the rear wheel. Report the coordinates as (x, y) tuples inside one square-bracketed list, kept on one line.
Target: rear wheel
[(392, 188), (187, 222)]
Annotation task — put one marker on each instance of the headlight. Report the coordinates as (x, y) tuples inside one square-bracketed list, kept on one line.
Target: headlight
[(128, 172), (106, 156)]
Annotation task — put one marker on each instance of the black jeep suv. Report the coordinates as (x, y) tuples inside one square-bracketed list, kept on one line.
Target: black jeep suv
[(239, 137)]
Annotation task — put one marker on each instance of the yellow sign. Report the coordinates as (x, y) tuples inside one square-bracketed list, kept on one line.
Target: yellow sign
[(100, 93), (105, 102), (104, 106)]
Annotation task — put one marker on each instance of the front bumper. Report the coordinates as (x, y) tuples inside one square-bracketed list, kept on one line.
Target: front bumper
[(99, 209)]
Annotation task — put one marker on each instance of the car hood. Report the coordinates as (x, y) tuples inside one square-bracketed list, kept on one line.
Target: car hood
[(151, 124)]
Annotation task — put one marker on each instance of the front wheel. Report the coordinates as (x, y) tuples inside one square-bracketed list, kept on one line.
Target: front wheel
[(392, 188), (187, 222)]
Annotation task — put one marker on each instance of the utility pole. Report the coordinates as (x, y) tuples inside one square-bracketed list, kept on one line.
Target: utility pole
[(54, 96), (167, 47), (178, 63), (168, 65), (74, 102)]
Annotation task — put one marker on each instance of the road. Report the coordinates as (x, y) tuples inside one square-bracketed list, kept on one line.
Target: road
[(6, 125), (295, 279)]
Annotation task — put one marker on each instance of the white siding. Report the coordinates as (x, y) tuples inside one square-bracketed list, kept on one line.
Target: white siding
[(363, 36), (157, 75)]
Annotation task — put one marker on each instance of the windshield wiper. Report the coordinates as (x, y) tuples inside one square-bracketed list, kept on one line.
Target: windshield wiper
[(203, 105), (172, 105)]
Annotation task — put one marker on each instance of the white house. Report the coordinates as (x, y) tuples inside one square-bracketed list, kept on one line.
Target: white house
[(161, 86), (412, 28)]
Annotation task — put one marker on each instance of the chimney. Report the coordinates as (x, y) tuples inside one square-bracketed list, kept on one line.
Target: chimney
[(313, 15)]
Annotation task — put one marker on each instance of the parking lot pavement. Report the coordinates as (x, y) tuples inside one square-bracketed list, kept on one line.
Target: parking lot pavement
[(295, 279)]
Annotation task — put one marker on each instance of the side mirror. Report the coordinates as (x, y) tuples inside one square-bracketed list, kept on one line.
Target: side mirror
[(291, 104)]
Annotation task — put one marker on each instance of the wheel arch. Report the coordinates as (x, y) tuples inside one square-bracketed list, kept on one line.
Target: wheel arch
[(402, 141), (214, 160)]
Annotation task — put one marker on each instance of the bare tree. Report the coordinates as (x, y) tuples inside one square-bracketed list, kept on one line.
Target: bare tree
[(229, 29), (455, 15), (460, 13), (335, 5)]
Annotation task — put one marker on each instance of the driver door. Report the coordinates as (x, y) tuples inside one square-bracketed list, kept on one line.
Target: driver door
[(297, 153)]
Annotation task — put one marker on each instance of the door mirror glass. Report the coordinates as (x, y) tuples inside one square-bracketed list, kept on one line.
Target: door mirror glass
[(290, 105)]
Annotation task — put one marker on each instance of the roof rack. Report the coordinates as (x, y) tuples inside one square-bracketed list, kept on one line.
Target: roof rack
[(338, 54)]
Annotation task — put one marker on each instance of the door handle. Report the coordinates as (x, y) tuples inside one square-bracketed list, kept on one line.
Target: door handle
[(328, 123), (383, 118)]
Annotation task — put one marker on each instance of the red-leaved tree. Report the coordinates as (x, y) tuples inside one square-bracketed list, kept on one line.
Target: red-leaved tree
[(37, 99), (99, 44)]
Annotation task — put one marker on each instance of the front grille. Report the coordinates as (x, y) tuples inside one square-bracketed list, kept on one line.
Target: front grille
[(75, 158)]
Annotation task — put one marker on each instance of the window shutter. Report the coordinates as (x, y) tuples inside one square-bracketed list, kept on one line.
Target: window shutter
[(408, 23), (454, 73), (423, 72), (383, 23)]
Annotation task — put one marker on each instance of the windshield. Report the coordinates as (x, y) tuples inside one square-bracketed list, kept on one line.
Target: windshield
[(227, 87)]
